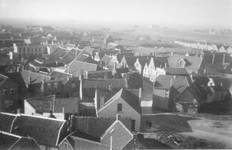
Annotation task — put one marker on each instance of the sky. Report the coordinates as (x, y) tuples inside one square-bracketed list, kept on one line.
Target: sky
[(187, 12)]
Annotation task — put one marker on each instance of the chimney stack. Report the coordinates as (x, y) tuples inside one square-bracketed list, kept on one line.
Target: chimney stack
[(110, 87), (118, 117), (213, 58), (224, 57)]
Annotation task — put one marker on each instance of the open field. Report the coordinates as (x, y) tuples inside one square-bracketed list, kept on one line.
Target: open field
[(209, 130)]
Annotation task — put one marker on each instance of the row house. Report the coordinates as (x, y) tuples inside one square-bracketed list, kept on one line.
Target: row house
[(8, 94), (47, 132), (166, 89), (12, 141), (64, 88), (193, 64), (24, 50), (222, 48), (97, 133), (195, 44), (51, 107), (124, 103)]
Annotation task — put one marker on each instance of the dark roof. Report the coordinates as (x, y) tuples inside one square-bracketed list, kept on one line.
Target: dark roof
[(9, 42), (196, 90), (201, 80), (128, 97), (104, 83), (30, 77), (192, 62), (218, 58), (6, 120), (44, 130), (122, 70), (120, 55), (96, 126), (83, 144), (103, 53), (71, 55), (44, 104), (180, 83), (130, 60), (15, 142), (3, 78), (177, 71), (213, 89)]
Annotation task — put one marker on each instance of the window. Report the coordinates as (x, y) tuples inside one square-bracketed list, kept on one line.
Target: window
[(39, 49), (8, 103), (55, 85), (20, 50), (119, 108), (12, 91), (49, 86), (28, 49), (65, 145), (73, 84), (24, 50), (35, 49), (5, 92)]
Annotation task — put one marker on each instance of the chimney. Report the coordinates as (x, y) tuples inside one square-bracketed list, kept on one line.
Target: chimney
[(224, 57), (171, 83), (81, 87), (118, 117), (213, 58), (110, 87), (18, 111), (86, 74), (126, 83), (165, 65), (140, 93), (96, 99)]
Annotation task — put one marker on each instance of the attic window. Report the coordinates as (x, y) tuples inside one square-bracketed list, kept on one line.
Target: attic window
[(5, 91), (73, 85), (55, 85), (182, 63), (119, 107), (12, 91)]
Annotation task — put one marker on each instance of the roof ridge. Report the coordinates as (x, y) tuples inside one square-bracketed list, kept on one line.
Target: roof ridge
[(11, 134), (41, 117), (112, 99)]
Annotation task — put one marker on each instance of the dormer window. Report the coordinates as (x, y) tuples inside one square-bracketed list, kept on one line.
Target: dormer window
[(182, 63)]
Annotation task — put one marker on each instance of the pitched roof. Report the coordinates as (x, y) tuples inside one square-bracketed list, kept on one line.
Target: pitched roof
[(196, 90), (60, 52), (180, 83), (77, 68), (218, 58), (82, 56), (104, 83), (6, 119), (88, 49), (34, 77), (201, 80), (71, 55), (103, 53), (130, 60), (12, 141), (44, 104), (128, 97), (2, 79), (59, 75), (44, 130), (85, 144), (121, 136), (96, 126), (192, 62), (177, 71), (122, 70)]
